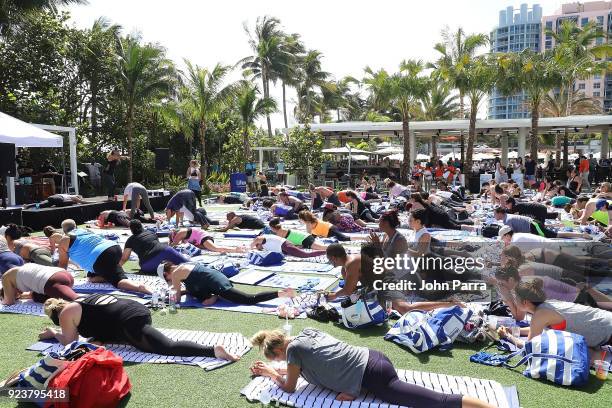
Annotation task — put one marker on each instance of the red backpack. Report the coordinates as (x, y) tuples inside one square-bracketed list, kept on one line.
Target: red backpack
[(96, 380)]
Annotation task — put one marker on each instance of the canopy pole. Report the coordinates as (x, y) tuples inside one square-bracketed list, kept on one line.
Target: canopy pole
[(64, 181), (73, 160)]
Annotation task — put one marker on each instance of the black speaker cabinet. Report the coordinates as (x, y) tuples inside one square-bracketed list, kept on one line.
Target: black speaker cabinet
[(162, 159), (7, 160)]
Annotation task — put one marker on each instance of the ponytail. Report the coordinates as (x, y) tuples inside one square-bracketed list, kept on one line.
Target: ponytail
[(532, 291), (269, 340)]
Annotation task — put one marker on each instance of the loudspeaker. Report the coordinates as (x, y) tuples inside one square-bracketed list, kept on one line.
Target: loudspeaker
[(7, 160), (162, 159)]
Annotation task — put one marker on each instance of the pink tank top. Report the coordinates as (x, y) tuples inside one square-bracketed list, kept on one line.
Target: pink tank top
[(197, 236)]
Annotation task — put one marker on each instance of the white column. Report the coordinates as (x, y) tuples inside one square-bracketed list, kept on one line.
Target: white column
[(412, 141), (260, 159), (504, 147), (522, 141), (10, 190), (73, 160), (605, 144)]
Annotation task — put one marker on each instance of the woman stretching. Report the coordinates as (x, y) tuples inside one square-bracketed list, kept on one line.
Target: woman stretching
[(29, 251), (595, 325), (345, 369), (320, 228), (280, 245), (359, 208), (42, 282), (116, 320), (508, 278), (8, 259), (208, 285), (150, 251), (297, 238), (98, 256), (201, 239)]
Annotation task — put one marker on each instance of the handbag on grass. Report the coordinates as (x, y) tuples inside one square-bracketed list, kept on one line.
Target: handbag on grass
[(557, 356), (422, 331), (362, 310)]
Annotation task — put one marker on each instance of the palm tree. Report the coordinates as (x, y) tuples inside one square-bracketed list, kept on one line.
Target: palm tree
[(269, 54), (455, 50), (288, 70), (406, 88), (377, 83), (100, 44), (205, 98), (311, 79), (476, 76), (12, 10), (251, 108), (554, 104), (145, 74), (338, 96), (438, 104), (533, 73)]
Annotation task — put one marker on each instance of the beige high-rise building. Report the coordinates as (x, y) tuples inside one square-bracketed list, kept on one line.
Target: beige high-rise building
[(599, 86)]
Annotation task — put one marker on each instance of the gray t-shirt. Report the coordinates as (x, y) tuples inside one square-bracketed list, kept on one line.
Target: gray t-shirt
[(327, 361), (518, 223), (595, 325)]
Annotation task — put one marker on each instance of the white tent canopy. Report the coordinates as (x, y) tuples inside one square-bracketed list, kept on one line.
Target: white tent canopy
[(389, 150), (23, 134), (359, 157), (400, 157), (345, 150)]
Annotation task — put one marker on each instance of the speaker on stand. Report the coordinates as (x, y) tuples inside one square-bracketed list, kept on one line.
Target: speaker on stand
[(162, 163)]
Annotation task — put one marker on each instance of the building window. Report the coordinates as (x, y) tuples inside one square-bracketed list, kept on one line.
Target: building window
[(549, 25), (581, 86), (600, 21), (597, 85), (584, 21), (599, 40), (597, 76), (596, 94)]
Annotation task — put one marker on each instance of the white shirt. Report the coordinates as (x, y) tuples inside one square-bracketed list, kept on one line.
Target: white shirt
[(130, 187), (32, 277), (274, 243), (524, 237)]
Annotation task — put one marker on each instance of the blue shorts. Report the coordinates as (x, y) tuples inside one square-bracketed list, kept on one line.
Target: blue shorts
[(530, 177)]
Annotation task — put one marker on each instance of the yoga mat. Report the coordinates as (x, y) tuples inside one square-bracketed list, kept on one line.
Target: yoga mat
[(299, 267), (26, 307), (153, 282), (234, 343), (307, 395), (279, 280)]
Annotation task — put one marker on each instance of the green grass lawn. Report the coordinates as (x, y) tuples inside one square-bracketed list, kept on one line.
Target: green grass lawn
[(169, 385)]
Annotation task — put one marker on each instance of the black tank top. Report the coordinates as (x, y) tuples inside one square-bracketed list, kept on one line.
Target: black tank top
[(250, 222), (118, 218), (105, 316)]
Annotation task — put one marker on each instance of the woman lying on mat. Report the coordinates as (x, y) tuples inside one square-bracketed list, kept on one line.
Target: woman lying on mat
[(345, 369), (320, 228), (8, 259), (513, 255), (297, 238), (275, 243), (207, 284), (150, 251), (115, 320), (241, 221), (595, 325), (360, 209), (41, 281), (29, 251), (98, 256), (344, 221), (507, 279), (201, 239)]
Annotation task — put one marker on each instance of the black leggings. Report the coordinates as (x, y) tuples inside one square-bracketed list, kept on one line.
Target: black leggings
[(109, 183), (368, 216), (107, 265), (140, 334), (380, 378), (335, 233), (201, 216), (198, 194), (241, 298)]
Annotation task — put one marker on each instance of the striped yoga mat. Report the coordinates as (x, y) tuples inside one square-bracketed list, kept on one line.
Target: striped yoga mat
[(234, 343), (311, 396)]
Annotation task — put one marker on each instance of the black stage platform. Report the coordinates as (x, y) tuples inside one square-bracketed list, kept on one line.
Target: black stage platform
[(10, 215), (38, 219)]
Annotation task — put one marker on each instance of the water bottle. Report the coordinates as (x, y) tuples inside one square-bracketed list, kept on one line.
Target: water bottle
[(172, 301), (154, 299), (37, 206)]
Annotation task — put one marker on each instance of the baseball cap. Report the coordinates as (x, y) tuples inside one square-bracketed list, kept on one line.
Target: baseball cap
[(504, 230), (600, 204), (160, 271)]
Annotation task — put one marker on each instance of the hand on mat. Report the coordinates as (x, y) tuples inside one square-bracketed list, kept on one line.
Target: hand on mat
[(503, 332), (287, 293), (221, 353), (211, 300), (343, 396), (48, 333), (263, 369)]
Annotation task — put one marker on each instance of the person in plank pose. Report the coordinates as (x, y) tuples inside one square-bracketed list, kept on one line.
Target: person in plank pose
[(274, 243), (201, 239), (297, 238), (41, 282)]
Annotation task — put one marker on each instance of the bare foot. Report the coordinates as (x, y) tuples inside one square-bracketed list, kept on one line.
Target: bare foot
[(211, 300), (287, 293), (221, 353)]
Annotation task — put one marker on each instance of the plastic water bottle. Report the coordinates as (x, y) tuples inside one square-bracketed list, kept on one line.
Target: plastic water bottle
[(172, 300), (155, 299), (265, 398), (37, 206)]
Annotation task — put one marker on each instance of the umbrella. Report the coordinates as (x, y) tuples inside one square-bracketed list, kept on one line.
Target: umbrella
[(345, 150), (359, 157), (389, 150), (400, 157)]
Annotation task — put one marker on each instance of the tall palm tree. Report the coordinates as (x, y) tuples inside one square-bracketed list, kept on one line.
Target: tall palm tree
[(406, 88), (205, 98), (438, 104), (12, 10), (476, 76), (269, 54), (288, 70), (251, 107), (311, 79), (535, 74), (377, 84), (99, 48), (554, 104), (455, 49), (145, 74)]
